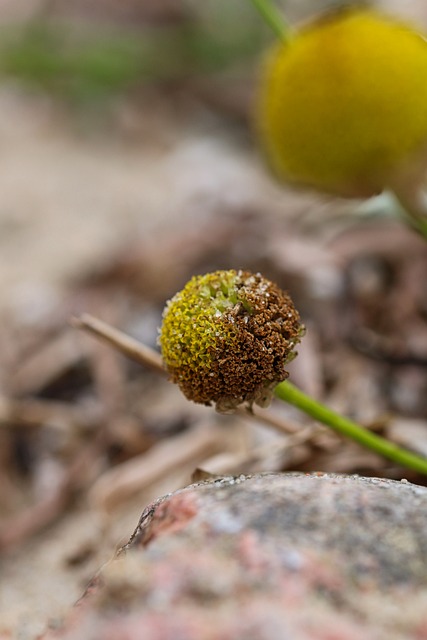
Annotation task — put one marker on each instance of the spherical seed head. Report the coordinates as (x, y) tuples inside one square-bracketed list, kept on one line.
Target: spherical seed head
[(227, 336), (343, 105)]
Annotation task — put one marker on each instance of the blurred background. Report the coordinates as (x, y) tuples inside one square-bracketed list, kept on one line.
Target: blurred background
[(128, 162)]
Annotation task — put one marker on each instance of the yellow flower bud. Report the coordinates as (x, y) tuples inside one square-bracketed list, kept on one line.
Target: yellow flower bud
[(343, 105)]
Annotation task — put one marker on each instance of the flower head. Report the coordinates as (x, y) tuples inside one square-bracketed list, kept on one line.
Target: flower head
[(227, 336), (343, 105)]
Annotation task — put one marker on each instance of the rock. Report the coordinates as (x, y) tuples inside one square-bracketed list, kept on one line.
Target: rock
[(267, 557)]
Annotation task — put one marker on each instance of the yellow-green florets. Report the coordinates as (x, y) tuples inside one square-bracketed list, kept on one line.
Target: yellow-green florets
[(226, 338)]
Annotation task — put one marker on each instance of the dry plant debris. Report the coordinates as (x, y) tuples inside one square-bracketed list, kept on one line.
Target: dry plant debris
[(67, 400)]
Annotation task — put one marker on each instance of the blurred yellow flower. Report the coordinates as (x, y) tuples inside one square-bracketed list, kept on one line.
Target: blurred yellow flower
[(343, 105)]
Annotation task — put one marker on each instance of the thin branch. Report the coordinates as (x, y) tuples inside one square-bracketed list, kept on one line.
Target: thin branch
[(120, 341)]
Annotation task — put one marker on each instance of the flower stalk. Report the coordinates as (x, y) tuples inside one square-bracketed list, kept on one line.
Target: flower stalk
[(292, 395), (273, 18)]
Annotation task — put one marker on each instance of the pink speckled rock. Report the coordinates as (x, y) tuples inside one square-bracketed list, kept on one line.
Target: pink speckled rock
[(267, 557)]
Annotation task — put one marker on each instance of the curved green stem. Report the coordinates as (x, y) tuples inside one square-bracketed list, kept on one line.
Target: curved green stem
[(273, 18), (288, 393), (413, 204), (417, 222)]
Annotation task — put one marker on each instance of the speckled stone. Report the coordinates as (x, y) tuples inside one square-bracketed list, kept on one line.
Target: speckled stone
[(268, 557)]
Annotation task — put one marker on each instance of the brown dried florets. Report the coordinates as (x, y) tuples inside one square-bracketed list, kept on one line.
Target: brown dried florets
[(227, 336)]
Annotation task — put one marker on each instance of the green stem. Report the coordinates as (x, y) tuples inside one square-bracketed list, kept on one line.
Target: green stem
[(416, 222), (288, 393), (273, 18), (413, 205)]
